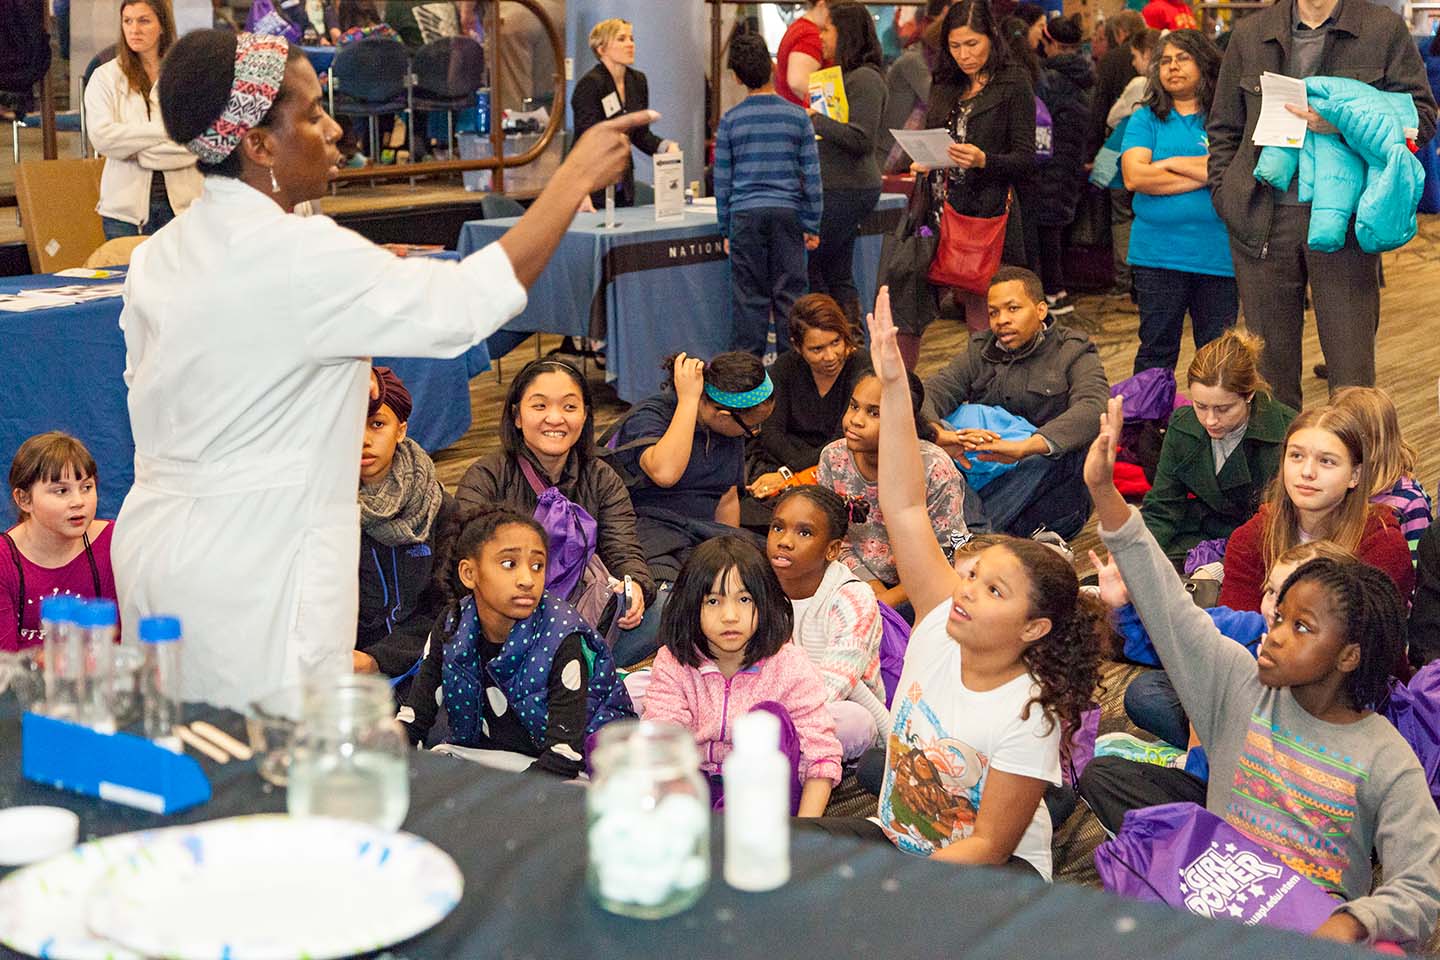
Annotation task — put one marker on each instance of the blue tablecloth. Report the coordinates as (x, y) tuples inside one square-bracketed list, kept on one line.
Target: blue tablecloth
[(65, 370), (652, 288)]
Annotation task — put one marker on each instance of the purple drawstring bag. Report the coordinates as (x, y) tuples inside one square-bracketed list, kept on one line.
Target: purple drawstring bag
[(1415, 712), (1206, 551), (894, 639), (264, 18), (569, 528), (1080, 749), (1183, 855), (1149, 395)]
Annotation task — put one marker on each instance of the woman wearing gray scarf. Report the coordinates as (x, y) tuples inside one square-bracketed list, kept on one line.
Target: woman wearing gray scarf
[(400, 504)]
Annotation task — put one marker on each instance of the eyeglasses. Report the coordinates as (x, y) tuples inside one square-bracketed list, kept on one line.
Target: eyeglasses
[(1176, 60), (750, 432)]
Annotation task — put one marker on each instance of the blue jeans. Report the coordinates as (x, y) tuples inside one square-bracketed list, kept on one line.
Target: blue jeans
[(1152, 704), (832, 264), (160, 214), (767, 275), (1164, 296), (642, 640), (1040, 492)]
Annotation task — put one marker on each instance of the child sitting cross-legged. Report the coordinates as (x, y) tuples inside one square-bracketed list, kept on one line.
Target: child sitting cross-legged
[(725, 651), (509, 667), (1299, 761)]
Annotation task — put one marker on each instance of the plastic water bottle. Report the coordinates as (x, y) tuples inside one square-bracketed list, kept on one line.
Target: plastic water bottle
[(64, 662), (97, 620), (757, 806), (160, 684), (482, 111)]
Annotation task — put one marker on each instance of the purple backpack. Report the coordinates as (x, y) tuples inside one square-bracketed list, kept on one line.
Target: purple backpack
[(1415, 711), (1183, 855), (1044, 131), (573, 570), (265, 18), (894, 638)]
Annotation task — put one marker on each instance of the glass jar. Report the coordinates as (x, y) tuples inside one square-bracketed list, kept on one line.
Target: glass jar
[(648, 817), (349, 757)]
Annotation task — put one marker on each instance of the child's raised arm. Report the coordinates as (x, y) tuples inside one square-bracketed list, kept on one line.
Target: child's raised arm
[(926, 575)]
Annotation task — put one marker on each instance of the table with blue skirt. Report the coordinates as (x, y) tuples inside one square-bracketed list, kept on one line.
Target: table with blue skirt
[(65, 369), (648, 288)]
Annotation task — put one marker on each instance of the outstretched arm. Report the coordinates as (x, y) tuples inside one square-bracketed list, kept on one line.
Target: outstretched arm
[(925, 574)]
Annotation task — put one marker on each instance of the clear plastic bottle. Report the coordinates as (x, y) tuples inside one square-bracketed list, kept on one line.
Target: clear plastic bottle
[(160, 683), (757, 806), (97, 620), (64, 661)]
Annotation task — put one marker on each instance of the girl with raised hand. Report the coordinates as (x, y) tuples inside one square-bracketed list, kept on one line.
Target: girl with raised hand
[(1319, 494), (837, 618), (1299, 761), (725, 651), (509, 667), (1000, 665)]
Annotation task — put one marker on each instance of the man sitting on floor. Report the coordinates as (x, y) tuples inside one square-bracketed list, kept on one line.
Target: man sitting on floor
[(1049, 376)]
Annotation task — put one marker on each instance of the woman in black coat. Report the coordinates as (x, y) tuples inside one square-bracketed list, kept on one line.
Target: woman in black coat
[(1066, 90), (615, 87), (988, 105)]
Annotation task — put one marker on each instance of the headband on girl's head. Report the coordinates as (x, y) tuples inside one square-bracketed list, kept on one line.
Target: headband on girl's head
[(259, 71), (741, 401)]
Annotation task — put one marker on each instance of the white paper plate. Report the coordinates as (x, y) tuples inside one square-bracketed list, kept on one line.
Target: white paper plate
[(252, 888)]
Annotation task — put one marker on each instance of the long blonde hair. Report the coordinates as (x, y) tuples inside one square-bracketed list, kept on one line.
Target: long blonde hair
[(1388, 455), (1345, 524), (129, 62)]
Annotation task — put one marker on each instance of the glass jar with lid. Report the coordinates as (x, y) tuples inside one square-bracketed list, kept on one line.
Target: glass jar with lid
[(648, 816), (349, 758)]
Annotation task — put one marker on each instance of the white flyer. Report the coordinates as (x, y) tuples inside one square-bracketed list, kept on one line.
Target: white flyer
[(1278, 127), (929, 148), (669, 185)]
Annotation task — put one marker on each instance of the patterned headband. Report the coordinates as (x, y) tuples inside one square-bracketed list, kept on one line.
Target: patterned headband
[(259, 70), (741, 401)]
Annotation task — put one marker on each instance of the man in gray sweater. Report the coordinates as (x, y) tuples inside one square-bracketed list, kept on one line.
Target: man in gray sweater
[(1298, 763)]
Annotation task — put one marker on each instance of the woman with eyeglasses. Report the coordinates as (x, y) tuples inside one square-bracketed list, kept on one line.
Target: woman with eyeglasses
[(684, 452), (1179, 250), (851, 466)]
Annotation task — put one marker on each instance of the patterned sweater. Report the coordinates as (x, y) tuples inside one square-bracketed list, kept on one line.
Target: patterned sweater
[(1320, 796), (1412, 507), (840, 632)]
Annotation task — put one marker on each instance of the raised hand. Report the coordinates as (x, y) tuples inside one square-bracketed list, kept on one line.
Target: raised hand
[(689, 375), (885, 356), (1100, 461), (1112, 585)]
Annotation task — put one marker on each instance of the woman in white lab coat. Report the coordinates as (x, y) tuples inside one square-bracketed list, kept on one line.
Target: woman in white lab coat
[(248, 333)]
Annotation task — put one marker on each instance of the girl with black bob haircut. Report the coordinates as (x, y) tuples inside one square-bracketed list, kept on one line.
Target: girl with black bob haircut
[(681, 629), (547, 436)]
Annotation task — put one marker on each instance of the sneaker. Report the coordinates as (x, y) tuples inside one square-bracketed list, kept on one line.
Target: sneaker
[(1060, 305), (1134, 749)]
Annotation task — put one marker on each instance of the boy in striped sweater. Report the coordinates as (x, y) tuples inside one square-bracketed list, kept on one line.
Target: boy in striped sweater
[(767, 196)]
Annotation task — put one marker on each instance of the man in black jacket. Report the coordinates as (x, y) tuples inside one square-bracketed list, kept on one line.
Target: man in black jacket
[(1268, 227)]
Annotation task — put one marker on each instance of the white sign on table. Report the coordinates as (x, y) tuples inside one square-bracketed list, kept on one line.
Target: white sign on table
[(669, 186)]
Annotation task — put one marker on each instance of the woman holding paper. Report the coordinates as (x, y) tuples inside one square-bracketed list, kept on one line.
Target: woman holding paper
[(987, 104), (1179, 250), (614, 87), (848, 168)]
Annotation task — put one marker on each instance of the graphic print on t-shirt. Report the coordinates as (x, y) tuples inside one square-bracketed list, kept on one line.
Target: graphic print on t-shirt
[(933, 781), (1296, 799)]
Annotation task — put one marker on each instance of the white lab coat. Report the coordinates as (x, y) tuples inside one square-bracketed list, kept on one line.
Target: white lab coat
[(247, 337), (135, 147)]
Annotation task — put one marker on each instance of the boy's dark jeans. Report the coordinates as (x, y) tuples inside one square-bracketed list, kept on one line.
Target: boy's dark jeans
[(767, 274)]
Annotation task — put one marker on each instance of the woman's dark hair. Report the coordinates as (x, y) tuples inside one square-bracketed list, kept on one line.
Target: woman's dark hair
[(1206, 57), (1017, 36), (827, 501), (820, 311), (1029, 13), (1372, 616), (357, 13), (45, 457), (195, 84), (1066, 661), (708, 563), (1065, 31), (461, 534), (750, 59), (732, 372), (924, 429), (510, 436), (976, 15), (856, 44)]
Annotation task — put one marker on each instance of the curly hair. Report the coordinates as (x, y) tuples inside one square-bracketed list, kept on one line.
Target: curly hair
[(1066, 661), (461, 535)]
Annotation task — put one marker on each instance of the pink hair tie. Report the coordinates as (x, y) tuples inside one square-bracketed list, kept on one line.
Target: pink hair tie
[(259, 71)]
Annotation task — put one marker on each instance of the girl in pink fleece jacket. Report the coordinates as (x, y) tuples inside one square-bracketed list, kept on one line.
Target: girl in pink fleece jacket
[(725, 651)]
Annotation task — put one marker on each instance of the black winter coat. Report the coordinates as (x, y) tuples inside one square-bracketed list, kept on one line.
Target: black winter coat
[(398, 598), (1002, 124), (1066, 92)]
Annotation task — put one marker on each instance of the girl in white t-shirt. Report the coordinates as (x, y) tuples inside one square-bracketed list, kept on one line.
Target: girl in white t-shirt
[(1002, 661)]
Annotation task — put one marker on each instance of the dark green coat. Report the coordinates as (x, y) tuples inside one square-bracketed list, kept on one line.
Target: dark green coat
[(1189, 503)]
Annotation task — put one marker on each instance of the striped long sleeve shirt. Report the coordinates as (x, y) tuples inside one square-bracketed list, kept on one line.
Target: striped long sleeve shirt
[(765, 156), (1412, 508)]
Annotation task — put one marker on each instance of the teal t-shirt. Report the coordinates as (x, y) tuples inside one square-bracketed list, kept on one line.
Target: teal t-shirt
[(1181, 231)]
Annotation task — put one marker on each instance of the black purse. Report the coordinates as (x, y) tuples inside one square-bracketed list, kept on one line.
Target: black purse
[(905, 257)]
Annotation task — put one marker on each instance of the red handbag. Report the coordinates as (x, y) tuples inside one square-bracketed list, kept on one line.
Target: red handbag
[(969, 251)]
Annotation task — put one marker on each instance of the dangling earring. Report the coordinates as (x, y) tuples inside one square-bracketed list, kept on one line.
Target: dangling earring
[(274, 184)]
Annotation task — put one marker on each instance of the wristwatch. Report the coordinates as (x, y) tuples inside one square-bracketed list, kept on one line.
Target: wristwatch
[(786, 473)]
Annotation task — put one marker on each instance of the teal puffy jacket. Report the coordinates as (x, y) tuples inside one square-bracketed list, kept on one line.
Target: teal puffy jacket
[(1367, 173)]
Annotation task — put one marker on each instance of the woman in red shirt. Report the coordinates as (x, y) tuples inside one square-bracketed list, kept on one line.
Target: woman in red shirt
[(801, 53)]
